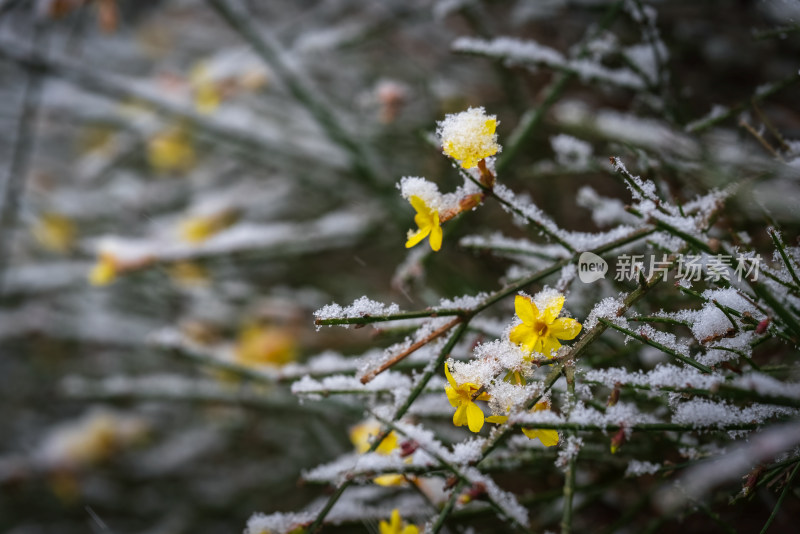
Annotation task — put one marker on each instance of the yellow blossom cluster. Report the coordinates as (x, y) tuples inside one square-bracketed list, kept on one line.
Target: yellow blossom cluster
[(539, 331)]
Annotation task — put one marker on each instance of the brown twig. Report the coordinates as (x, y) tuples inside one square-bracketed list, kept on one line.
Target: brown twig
[(416, 346)]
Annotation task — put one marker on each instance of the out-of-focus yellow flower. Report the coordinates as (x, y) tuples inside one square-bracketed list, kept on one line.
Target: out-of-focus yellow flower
[(55, 232), (104, 271), (469, 136), (199, 228), (547, 437), (361, 437), (396, 525), (460, 397), (93, 439), (265, 345), (540, 331), (207, 94), (428, 222), (171, 151)]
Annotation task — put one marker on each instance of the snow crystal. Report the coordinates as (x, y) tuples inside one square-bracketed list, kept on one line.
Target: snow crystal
[(361, 307), (506, 501), (571, 448), (638, 468), (277, 522), (705, 413), (420, 187), (570, 151), (608, 308), (605, 211)]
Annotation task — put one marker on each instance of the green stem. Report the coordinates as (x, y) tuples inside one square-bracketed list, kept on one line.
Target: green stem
[(780, 499), (421, 384), (685, 359), (533, 117), (569, 475), (270, 52), (368, 319)]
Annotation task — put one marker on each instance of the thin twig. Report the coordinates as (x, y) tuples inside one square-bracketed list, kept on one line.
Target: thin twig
[(411, 349)]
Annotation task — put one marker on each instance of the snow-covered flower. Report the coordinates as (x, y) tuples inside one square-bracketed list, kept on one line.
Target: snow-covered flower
[(540, 331), (469, 136), (396, 525), (427, 220), (460, 397)]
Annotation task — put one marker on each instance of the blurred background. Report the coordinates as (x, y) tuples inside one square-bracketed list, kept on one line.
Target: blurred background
[(185, 182)]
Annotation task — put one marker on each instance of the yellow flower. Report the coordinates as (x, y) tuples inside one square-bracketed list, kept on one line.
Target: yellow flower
[(460, 397), (396, 525), (171, 151), (469, 136), (104, 271), (547, 437), (199, 228), (361, 437), (261, 345), (428, 222), (207, 95), (541, 331), (55, 232)]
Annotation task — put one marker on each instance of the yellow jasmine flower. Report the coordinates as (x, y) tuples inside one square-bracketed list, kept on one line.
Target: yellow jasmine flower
[(547, 437), (55, 232), (540, 331), (361, 437), (199, 228), (104, 271), (171, 150), (207, 95), (460, 397), (261, 345), (428, 222), (396, 525), (469, 136)]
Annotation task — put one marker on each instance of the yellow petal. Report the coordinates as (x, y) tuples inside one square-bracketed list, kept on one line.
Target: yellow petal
[(489, 127), (521, 334), (420, 206), (550, 346), (526, 309), (396, 522), (547, 437), (410, 529), (417, 237), (474, 417), (497, 419), (453, 397), (460, 417), (449, 376), (553, 308), (436, 233), (392, 479), (565, 328)]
